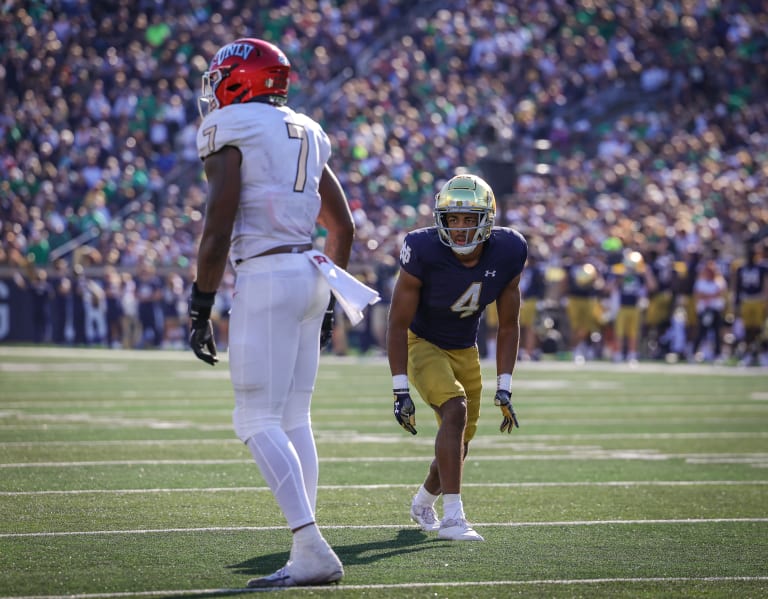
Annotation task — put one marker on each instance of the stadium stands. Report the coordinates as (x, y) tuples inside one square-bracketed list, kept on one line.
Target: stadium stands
[(642, 122)]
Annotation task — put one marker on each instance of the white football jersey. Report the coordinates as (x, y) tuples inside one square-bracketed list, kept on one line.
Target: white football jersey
[(283, 156)]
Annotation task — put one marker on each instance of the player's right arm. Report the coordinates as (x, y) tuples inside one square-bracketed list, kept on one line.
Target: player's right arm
[(405, 301), (222, 169), (402, 309)]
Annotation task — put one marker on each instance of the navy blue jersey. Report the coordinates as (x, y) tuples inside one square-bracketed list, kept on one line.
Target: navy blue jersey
[(631, 287), (750, 279), (453, 296), (533, 283)]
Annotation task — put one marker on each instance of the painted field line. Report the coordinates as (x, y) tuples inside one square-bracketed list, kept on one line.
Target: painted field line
[(587, 454), (328, 435), (407, 585), (101, 355), (518, 436), (145, 531), (378, 487)]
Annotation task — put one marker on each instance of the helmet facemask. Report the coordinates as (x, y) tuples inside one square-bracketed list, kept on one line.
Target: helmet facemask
[(475, 235), (207, 101), (465, 194)]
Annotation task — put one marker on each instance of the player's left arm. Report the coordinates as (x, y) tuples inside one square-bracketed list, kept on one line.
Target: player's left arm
[(507, 345), (508, 334)]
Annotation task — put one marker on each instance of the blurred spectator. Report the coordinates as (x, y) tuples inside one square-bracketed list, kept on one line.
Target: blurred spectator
[(174, 310), (709, 291), (40, 292), (619, 118), (113, 292), (149, 296), (130, 323)]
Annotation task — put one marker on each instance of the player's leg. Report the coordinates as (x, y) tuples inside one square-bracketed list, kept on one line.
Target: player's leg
[(266, 312), (272, 307), (432, 373), (296, 420)]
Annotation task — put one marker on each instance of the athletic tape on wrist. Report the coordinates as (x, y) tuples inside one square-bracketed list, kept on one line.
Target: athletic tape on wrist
[(504, 382), (400, 381)]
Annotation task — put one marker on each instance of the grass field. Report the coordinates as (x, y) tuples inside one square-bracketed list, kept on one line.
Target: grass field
[(120, 476)]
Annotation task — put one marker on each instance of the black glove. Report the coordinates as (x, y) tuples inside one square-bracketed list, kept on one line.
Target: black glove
[(502, 400), (201, 335), (326, 331), (405, 411)]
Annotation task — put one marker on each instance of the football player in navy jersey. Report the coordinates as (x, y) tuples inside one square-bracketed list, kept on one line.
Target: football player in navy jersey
[(750, 293), (449, 273), (269, 183), (629, 282)]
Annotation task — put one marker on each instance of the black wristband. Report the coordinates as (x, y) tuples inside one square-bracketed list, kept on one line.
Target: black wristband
[(202, 299), (200, 304)]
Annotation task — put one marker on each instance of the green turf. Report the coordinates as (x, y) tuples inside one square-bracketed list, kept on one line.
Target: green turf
[(120, 477)]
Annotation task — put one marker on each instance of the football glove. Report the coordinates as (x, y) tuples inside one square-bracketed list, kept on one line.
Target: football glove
[(405, 411), (502, 399), (201, 334), (329, 320)]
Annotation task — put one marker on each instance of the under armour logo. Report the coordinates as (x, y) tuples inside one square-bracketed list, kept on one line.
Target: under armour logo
[(490, 273)]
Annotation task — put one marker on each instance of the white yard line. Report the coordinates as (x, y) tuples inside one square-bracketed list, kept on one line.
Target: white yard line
[(586, 454), (531, 485), (407, 585), (513, 443), (143, 531), (101, 356)]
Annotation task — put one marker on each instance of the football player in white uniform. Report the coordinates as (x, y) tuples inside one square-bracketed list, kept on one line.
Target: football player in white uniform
[(269, 183)]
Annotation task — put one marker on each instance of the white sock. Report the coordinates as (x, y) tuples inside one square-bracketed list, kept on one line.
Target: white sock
[(281, 469), (307, 535), (453, 508), (303, 442), (424, 497)]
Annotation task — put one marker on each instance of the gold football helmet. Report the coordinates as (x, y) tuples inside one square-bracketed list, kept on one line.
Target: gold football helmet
[(467, 194)]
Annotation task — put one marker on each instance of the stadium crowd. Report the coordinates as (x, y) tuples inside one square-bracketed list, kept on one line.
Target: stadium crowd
[(605, 127)]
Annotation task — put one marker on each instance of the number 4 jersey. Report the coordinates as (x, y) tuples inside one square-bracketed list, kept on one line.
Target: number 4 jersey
[(283, 154), (454, 296)]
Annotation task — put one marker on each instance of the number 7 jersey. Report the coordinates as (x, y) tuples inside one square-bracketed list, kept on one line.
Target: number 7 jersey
[(283, 154), (453, 296)]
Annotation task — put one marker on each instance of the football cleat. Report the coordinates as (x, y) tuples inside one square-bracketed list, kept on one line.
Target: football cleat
[(281, 578), (425, 516), (311, 565), (458, 529)]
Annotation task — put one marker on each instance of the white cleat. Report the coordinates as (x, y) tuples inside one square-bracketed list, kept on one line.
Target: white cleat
[(308, 566), (458, 529), (281, 578), (425, 516)]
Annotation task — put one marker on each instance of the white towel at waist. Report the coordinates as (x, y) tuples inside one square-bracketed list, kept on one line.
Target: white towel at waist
[(352, 295)]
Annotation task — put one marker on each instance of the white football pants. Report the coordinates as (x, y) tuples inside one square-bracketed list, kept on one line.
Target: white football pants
[(277, 310)]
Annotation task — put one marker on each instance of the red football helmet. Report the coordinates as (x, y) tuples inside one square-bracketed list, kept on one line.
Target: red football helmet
[(245, 69)]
